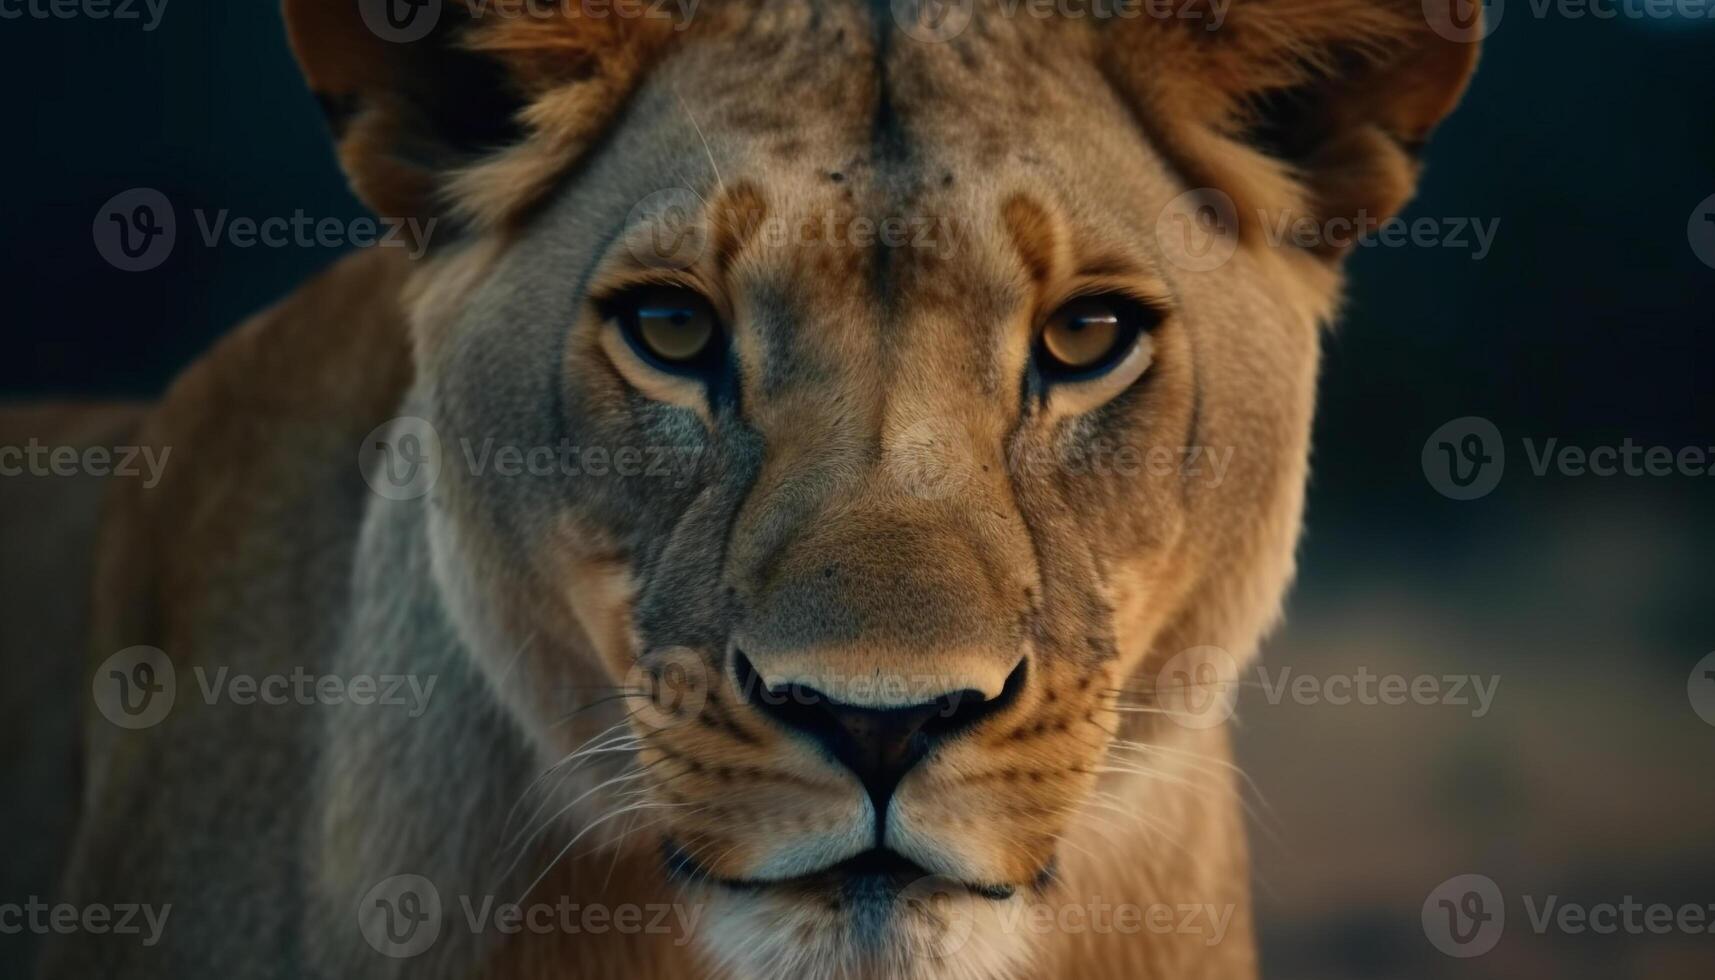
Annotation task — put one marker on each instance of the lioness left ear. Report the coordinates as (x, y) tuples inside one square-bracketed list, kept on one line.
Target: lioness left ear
[(451, 104), (1295, 108)]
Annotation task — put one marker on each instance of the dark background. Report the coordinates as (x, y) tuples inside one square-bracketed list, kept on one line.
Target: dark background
[(1589, 322)]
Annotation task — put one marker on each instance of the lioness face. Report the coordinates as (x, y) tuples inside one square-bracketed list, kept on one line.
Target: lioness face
[(849, 417), (900, 445)]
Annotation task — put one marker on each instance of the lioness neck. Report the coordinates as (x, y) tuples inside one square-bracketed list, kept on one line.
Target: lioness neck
[(1156, 875)]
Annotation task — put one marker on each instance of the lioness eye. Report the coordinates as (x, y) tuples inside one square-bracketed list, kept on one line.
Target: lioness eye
[(669, 324), (1091, 334)]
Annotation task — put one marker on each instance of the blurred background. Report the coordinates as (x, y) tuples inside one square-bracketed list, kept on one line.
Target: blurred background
[(1582, 602)]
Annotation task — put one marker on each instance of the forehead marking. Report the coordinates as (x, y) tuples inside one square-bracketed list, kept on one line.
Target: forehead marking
[(735, 219), (1035, 237)]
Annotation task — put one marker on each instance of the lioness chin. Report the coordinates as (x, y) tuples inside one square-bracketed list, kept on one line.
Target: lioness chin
[(820, 482)]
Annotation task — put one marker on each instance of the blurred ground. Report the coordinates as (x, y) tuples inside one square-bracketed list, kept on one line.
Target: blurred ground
[(1588, 779)]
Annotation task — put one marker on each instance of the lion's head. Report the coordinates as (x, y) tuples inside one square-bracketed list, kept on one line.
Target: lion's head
[(889, 392)]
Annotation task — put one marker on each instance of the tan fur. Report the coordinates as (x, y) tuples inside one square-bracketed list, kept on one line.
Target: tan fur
[(1050, 143)]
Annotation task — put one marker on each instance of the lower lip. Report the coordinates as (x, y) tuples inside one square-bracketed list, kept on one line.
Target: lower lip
[(874, 873)]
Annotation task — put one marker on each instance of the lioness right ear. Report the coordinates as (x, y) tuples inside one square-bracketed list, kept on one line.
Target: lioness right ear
[(438, 104), (1302, 107)]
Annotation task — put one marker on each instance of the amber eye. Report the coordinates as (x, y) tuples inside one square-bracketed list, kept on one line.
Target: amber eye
[(668, 324), (1091, 334)]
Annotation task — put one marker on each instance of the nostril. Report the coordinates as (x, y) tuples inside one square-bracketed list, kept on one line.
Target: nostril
[(744, 674), (879, 744), (961, 710), (794, 705)]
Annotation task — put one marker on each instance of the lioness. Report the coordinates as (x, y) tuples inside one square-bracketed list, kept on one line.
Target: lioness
[(827, 463)]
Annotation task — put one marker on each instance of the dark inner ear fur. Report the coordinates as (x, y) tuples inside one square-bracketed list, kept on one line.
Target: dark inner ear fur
[(1352, 168), (1312, 109), (404, 113), (464, 102), (1290, 123), (474, 122), (1358, 137)]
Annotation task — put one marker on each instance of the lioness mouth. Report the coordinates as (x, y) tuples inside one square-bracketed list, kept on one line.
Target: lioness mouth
[(877, 871)]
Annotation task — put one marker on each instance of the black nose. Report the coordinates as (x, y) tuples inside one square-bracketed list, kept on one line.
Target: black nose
[(880, 745)]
